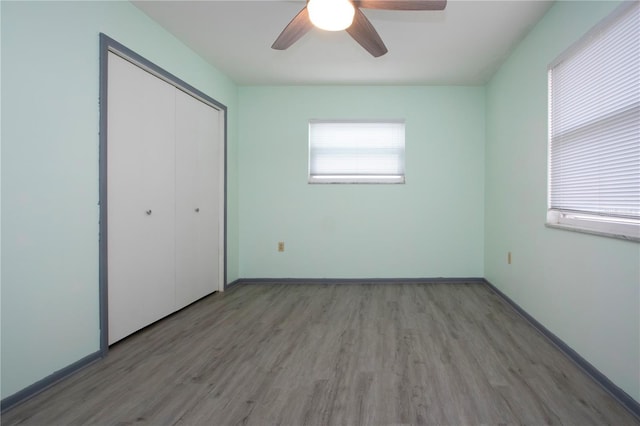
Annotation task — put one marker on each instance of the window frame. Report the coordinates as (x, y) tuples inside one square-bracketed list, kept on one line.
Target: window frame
[(356, 178), (590, 223)]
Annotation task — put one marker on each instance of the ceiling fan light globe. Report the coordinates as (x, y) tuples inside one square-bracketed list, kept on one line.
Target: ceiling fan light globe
[(331, 15)]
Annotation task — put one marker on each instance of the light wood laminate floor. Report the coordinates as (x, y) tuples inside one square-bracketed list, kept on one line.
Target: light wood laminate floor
[(370, 354)]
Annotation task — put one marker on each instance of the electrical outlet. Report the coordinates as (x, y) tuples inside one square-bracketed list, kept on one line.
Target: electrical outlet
[(281, 246), (509, 258)]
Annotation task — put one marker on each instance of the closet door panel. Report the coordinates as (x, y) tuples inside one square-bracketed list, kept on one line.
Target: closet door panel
[(141, 204), (210, 196), (210, 193), (197, 221)]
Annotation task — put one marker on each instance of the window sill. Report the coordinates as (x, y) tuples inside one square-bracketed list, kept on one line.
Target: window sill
[(628, 231), (380, 180), (592, 232)]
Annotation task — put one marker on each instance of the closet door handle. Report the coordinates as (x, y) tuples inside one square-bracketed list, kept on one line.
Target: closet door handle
[(148, 212), (197, 209)]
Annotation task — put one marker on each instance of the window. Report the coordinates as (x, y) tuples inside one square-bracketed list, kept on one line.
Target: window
[(356, 151), (594, 130)]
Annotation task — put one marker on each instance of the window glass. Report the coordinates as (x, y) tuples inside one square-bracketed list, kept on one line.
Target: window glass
[(356, 151), (594, 130)]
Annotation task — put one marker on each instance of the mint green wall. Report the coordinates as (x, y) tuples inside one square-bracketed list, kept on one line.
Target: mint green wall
[(50, 172), (458, 214), (430, 227), (584, 288)]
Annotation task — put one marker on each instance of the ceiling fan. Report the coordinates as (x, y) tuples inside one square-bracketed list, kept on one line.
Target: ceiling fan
[(336, 15)]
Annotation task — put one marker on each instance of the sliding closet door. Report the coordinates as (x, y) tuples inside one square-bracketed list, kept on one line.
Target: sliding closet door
[(141, 204), (198, 141)]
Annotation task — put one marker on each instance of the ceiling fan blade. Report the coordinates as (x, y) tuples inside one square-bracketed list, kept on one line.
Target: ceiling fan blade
[(402, 4), (363, 32), (298, 27)]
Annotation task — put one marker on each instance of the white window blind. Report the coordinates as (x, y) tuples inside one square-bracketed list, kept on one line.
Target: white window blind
[(594, 126), (356, 151)]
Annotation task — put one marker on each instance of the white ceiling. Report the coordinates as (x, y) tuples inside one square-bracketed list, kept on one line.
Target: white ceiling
[(462, 45)]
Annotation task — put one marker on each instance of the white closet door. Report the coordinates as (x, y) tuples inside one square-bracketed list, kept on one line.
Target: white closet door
[(141, 204), (198, 142)]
